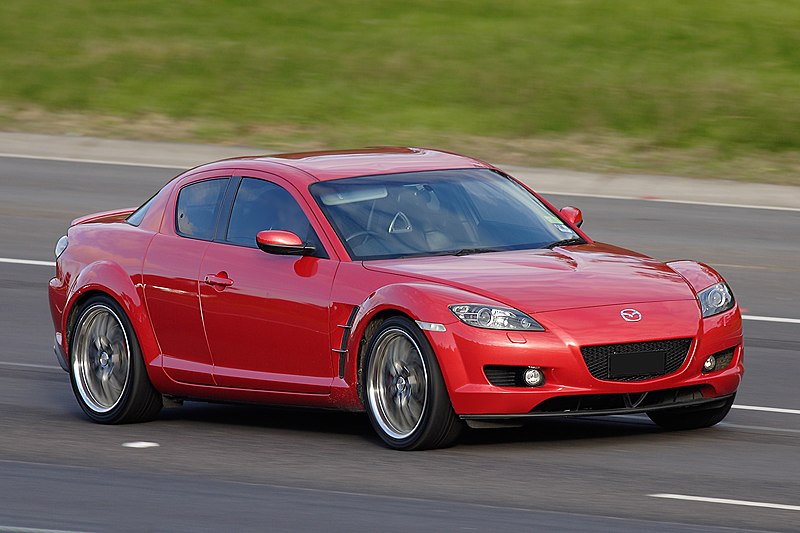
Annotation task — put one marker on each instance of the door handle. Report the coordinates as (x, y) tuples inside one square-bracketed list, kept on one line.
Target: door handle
[(220, 280)]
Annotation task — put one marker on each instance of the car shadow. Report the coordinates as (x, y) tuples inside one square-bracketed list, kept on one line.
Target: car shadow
[(306, 419), (321, 421), (563, 429)]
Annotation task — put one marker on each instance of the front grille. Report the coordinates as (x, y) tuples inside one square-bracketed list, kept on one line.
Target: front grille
[(596, 357)]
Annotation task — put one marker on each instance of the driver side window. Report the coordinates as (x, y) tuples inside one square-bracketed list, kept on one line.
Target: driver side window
[(261, 205)]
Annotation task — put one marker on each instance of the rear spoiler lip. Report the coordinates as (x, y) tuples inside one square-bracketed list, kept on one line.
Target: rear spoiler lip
[(115, 215)]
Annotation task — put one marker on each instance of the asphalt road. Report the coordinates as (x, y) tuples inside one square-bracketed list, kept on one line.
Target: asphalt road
[(224, 467)]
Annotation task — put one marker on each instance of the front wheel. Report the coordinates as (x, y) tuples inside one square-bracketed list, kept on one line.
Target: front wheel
[(691, 417), (407, 401), (106, 368)]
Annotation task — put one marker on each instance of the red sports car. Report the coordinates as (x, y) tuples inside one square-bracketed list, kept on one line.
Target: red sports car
[(430, 289)]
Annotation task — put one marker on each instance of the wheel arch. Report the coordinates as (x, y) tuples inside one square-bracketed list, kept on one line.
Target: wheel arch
[(373, 323), (72, 313), (435, 423), (105, 278), (417, 301)]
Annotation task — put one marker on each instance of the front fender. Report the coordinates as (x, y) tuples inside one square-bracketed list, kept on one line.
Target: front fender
[(420, 301), (719, 331), (698, 275)]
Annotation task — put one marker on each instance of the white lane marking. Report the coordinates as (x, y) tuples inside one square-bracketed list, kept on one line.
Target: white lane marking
[(36, 262), (665, 200), (31, 365), (27, 262), (750, 267), (780, 410), (726, 501), (140, 444), (642, 420), (560, 193), (768, 409), (12, 529), (771, 319), (759, 428), (781, 320), (91, 161), (639, 522)]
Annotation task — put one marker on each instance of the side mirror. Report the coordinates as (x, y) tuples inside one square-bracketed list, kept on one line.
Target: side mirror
[(282, 243), (573, 215)]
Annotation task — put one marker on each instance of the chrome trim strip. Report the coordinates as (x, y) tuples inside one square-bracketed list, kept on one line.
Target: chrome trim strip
[(430, 326)]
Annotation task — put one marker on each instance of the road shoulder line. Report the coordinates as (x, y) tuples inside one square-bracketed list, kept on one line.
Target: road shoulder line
[(725, 501)]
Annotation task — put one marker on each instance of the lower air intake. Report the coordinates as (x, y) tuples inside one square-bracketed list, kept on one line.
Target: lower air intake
[(600, 360)]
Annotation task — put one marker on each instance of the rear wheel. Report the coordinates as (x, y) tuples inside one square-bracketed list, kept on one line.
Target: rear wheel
[(691, 417), (106, 368), (407, 401)]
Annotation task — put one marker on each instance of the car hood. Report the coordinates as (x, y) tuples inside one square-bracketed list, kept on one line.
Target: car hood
[(537, 281)]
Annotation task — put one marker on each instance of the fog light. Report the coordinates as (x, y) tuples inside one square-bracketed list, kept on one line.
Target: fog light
[(533, 377), (710, 363)]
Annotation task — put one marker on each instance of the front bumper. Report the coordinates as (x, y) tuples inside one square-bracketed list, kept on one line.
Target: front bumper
[(600, 404), (60, 355), (570, 389)]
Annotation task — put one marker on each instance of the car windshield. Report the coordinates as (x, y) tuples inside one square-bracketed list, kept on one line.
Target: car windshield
[(440, 212)]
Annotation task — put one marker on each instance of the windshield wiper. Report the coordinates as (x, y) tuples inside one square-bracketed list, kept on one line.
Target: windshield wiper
[(566, 242), (470, 251)]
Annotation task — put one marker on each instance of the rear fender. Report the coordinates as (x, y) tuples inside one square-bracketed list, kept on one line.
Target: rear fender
[(116, 215), (111, 279)]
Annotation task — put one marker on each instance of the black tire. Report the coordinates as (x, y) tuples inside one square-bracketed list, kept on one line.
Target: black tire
[(691, 417), (106, 368), (407, 413)]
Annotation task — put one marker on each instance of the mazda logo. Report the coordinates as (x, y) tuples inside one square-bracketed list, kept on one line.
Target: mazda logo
[(630, 315)]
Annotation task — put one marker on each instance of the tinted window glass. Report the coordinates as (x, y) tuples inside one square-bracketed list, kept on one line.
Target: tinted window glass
[(136, 217), (261, 205), (436, 212), (198, 208)]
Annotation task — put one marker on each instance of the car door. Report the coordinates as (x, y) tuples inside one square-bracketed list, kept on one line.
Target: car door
[(169, 276), (266, 316)]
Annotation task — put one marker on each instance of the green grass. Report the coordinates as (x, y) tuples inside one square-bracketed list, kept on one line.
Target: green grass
[(717, 80)]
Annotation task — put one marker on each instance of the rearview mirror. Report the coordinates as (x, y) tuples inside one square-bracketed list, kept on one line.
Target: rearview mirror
[(573, 215), (282, 242)]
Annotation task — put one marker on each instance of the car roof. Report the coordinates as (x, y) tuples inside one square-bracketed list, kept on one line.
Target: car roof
[(329, 165)]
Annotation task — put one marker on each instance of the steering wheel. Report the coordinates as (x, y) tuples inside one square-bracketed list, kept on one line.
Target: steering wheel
[(365, 236)]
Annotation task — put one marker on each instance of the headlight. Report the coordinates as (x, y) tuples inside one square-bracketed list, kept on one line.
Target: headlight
[(61, 245), (715, 299), (490, 317)]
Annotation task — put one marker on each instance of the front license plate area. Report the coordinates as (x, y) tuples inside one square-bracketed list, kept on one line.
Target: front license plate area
[(625, 365)]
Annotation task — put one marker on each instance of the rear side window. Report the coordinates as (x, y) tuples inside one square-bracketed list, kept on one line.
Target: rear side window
[(136, 217), (198, 206)]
